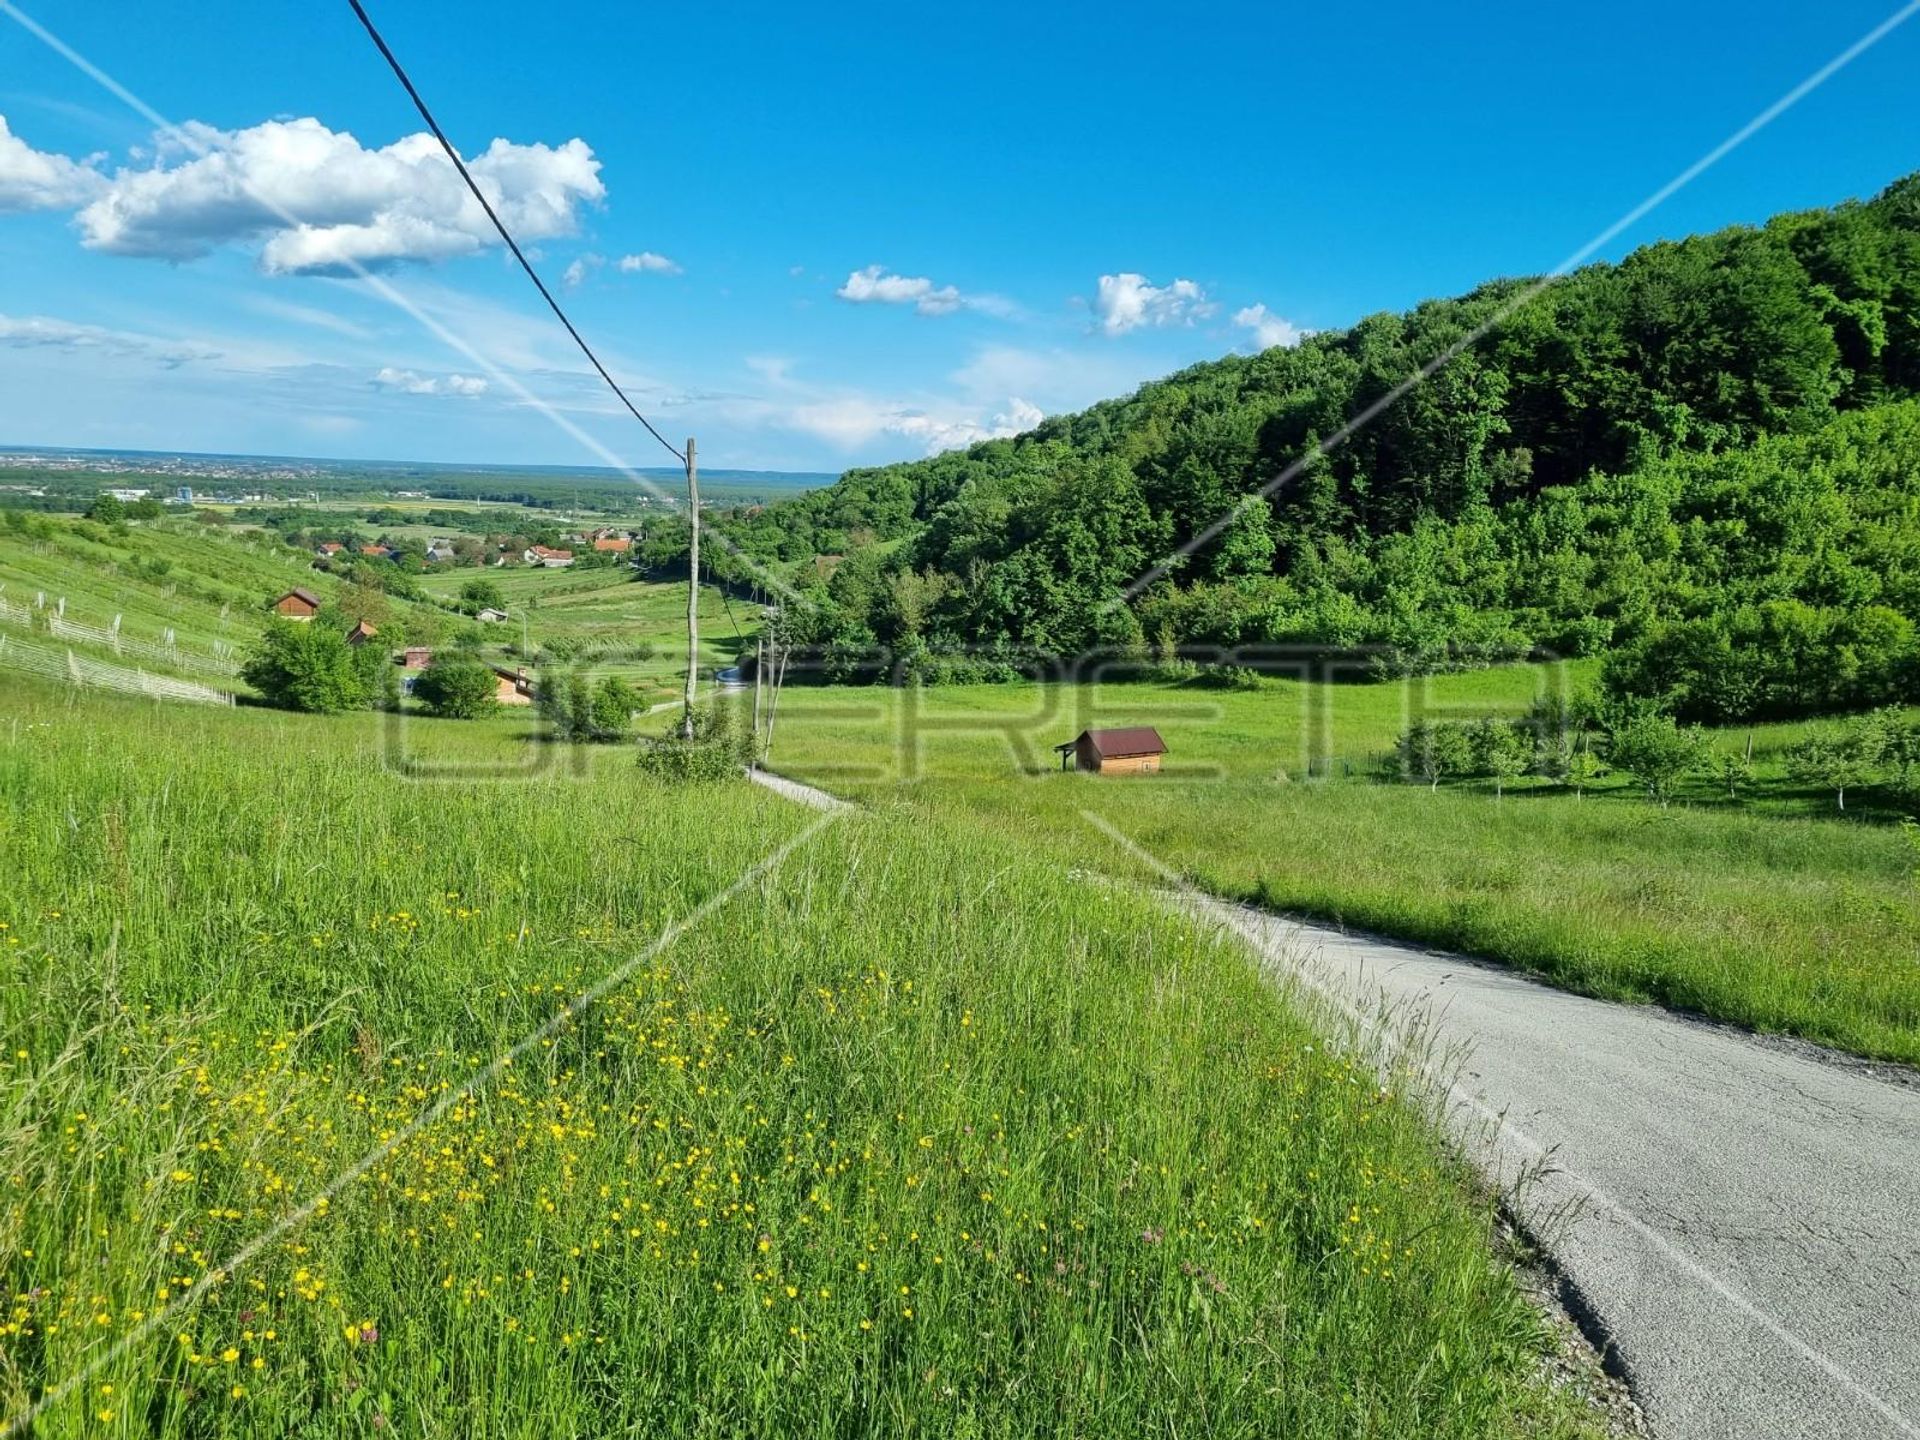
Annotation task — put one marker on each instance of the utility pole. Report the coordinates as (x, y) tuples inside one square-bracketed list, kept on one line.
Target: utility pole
[(693, 588), (759, 669)]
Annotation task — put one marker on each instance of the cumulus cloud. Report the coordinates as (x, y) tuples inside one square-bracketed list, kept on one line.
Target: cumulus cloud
[(648, 263), (850, 421), (1128, 301), (32, 179), (1268, 328), (321, 202), (876, 285), (583, 266), (412, 382), (30, 331)]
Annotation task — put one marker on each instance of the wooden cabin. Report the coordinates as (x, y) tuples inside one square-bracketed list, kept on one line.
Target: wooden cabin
[(297, 604), (1132, 751), (361, 633)]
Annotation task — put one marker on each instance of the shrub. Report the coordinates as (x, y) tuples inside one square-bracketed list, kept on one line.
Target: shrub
[(456, 686), (307, 667), (719, 750)]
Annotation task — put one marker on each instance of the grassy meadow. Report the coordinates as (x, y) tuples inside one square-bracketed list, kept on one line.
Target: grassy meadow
[(338, 1099), (1770, 913)]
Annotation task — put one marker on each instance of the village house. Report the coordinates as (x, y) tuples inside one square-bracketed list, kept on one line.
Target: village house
[(512, 687), (550, 559), (490, 616), (328, 549), (612, 545), (1132, 751), (440, 550), (379, 550), (297, 604), (416, 657)]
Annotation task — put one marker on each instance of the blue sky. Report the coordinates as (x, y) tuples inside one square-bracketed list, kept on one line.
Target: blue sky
[(850, 234)]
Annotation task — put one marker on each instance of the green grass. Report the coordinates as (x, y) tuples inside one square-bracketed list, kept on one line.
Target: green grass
[(609, 611), (916, 1135), (1771, 914)]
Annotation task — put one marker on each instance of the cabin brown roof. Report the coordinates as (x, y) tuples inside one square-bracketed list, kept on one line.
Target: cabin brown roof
[(1120, 744), (306, 595)]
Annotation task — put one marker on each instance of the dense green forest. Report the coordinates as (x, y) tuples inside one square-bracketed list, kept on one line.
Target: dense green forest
[(1702, 462)]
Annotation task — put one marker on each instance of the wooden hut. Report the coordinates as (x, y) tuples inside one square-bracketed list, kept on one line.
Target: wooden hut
[(1135, 750), (297, 604)]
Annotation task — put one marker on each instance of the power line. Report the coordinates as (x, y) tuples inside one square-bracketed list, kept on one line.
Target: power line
[(460, 165)]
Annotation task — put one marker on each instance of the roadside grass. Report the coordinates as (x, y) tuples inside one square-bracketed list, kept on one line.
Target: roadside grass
[(1768, 914), (920, 1134)]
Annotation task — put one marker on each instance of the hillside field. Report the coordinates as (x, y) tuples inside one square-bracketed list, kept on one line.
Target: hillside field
[(1769, 912), (337, 1100)]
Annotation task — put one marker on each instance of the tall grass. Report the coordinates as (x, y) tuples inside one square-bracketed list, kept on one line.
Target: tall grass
[(920, 1134), (1777, 917)]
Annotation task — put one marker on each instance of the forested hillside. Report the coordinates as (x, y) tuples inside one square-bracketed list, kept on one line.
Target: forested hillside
[(1703, 461)]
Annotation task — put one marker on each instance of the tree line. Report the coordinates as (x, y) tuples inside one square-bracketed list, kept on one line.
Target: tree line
[(1702, 462)]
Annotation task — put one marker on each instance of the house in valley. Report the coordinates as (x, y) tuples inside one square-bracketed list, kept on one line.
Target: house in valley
[(1132, 751), (612, 544), (490, 616), (328, 549), (297, 604), (549, 559)]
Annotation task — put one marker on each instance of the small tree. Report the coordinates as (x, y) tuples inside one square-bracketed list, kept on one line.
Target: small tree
[(478, 595), (306, 667), (1734, 770), (1499, 752), (578, 711), (455, 686), (1434, 749), (1657, 753), (1839, 760), (107, 509), (1583, 768)]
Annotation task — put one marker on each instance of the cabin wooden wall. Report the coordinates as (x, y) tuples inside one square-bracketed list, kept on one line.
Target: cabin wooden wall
[(1128, 765)]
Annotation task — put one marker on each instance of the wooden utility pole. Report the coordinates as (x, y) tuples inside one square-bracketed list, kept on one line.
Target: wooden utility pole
[(693, 588), (759, 669)]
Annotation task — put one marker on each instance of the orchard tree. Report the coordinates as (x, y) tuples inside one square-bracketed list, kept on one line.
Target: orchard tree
[(1498, 752), (1433, 750), (1657, 753), (1838, 760)]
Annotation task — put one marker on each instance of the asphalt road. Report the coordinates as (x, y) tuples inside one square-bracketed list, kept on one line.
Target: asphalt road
[(1741, 1218)]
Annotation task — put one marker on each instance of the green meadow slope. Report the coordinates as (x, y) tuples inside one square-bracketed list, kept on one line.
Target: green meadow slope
[(908, 1131)]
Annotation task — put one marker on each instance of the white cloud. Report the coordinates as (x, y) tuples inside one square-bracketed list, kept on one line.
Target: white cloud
[(1268, 328), (1128, 301), (583, 266), (412, 382), (649, 263), (30, 331), (324, 202), (876, 285), (852, 420), (32, 179)]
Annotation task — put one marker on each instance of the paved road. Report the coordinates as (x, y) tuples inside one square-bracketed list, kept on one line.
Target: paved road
[(1746, 1222)]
